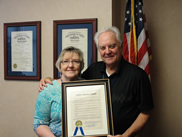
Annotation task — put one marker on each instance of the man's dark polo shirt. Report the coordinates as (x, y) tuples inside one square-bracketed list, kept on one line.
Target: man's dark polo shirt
[(130, 92)]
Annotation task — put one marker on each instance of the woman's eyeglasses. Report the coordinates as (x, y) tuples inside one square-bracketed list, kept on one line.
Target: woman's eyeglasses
[(67, 62)]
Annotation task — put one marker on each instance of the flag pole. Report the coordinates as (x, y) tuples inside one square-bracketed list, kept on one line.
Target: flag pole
[(134, 30)]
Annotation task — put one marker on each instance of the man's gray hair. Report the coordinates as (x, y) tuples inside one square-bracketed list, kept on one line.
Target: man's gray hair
[(113, 29)]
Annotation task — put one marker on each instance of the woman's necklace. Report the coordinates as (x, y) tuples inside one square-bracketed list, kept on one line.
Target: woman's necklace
[(71, 80)]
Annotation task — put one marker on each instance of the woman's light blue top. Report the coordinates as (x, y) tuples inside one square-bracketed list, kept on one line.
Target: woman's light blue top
[(48, 109)]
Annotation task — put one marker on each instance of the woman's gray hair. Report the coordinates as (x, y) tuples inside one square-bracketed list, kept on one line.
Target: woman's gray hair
[(71, 50), (113, 29)]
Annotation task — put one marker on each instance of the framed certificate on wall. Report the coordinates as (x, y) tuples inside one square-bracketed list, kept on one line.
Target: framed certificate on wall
[(78, 33), (22, 51), (86, 108)]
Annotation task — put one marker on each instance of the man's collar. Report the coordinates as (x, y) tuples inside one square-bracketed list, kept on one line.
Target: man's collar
[(103, 70)]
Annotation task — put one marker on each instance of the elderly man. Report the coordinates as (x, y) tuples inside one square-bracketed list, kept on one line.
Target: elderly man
[(130, 87)]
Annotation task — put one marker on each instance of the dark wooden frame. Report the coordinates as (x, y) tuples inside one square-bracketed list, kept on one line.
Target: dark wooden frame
[(79, 84), (73, 22), (36, 28)]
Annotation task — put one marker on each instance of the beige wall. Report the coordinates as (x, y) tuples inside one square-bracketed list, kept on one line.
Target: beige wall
[(17, 98), (165, 30)]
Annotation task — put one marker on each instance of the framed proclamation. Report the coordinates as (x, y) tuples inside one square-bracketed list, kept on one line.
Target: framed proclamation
[(78, 33), (86, 108), (22, 51)]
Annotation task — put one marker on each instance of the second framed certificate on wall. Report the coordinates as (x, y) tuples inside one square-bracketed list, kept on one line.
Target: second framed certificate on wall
[(77, 33)]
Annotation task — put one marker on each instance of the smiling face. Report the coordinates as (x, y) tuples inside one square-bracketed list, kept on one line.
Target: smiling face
[(70, 66), (109, 48)]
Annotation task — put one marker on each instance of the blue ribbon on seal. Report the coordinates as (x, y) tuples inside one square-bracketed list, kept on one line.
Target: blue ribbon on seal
[(76, 130)]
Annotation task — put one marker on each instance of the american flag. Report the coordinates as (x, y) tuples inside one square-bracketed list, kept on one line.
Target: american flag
[(136, 44)]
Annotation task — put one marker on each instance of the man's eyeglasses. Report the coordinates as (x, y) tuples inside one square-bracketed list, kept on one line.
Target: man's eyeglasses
[(67, 62)]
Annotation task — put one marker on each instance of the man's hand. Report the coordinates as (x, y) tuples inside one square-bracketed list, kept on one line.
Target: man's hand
[(43, 83), (137, 125), (117, 136)]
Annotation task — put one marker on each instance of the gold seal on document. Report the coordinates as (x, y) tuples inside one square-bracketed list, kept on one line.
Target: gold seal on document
[(78, 123), (14, 65)]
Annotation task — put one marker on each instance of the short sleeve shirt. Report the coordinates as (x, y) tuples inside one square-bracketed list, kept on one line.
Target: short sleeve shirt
[(130, 92)]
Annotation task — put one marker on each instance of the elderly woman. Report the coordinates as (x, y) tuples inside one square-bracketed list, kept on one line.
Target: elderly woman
[(47, 118)]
